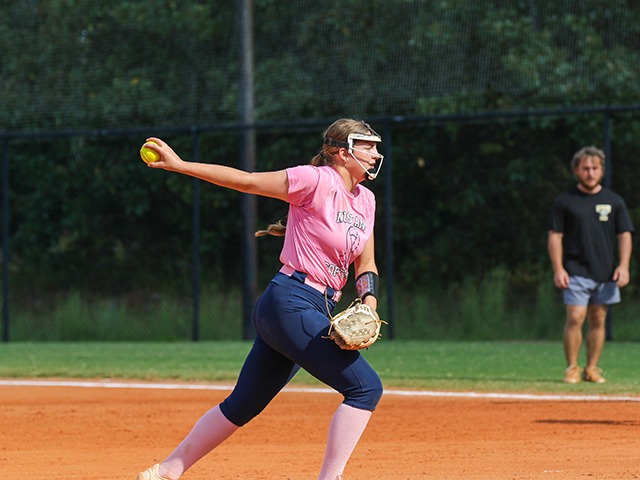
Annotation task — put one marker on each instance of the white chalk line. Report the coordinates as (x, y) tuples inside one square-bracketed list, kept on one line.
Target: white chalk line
[(405, 393)]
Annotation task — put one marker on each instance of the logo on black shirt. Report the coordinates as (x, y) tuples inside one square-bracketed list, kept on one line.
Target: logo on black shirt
[(603, 210)]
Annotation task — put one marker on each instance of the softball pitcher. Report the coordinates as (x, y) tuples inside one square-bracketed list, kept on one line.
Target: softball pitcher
[(329, 226)]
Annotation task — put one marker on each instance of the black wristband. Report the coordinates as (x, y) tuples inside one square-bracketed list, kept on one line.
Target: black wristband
[(367, 284)]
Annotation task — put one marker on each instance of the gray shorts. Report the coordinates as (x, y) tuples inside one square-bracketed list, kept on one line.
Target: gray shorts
[(585, 291)]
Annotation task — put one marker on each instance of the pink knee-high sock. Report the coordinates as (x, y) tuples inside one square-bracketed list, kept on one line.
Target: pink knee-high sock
[(211, 430), (345, 430)]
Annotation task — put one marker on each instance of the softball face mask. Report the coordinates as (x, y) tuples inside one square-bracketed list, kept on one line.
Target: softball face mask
[(371, 173)]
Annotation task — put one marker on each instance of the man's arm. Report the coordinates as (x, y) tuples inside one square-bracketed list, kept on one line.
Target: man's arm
[(621, 273), (554, 246)]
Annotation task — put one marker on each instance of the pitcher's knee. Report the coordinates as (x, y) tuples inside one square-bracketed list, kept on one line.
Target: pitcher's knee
[(365, 396), (240, 410)]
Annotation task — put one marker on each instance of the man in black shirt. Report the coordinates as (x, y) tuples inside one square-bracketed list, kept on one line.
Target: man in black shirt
[(584, 225)]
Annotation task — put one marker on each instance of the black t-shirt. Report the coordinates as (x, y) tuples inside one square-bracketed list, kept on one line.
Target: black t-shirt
[(590, 225)]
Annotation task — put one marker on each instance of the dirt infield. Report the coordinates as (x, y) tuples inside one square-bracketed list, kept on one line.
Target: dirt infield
[(112, 433)]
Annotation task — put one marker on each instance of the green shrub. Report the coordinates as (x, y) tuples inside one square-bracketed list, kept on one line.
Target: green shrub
[(476, 309)]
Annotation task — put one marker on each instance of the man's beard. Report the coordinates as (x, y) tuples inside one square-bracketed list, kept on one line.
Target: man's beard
[(590, 187)]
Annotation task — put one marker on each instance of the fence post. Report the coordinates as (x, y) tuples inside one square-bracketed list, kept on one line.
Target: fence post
[(5, 240), (388, 175), (606, 146), (195, 332), (247, 163), (606, 141)]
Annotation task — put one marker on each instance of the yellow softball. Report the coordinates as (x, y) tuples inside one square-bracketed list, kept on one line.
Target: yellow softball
[(148, 155)]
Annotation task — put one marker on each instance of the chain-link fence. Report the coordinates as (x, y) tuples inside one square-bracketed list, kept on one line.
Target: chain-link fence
[(96, 246)]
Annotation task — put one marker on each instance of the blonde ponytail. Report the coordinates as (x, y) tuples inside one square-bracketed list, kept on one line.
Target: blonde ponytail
[(276, 229)]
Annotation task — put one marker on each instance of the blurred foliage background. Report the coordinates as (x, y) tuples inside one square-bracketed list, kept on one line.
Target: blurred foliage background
[(481, 106)]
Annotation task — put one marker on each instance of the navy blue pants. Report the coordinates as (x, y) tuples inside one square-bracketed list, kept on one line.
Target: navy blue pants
[(291, 320)]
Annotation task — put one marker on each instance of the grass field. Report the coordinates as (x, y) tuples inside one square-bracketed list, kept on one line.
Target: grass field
[(477, 366)]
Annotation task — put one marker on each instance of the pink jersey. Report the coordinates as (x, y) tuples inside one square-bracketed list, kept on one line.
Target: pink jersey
[(327, 226)]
